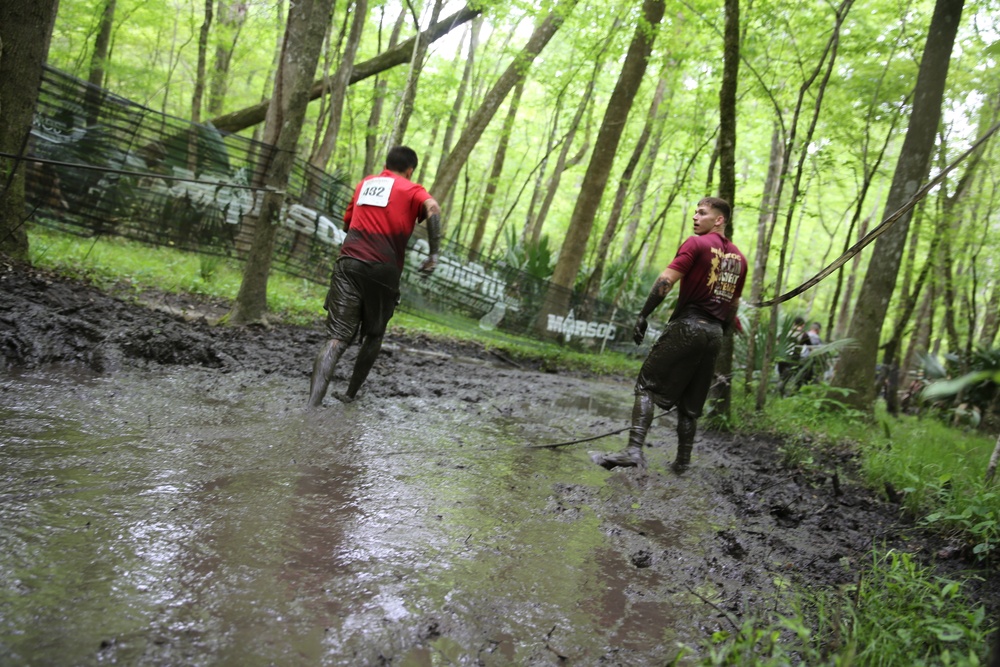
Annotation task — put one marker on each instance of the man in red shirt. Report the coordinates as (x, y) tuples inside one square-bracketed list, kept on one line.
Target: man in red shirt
[(364, 288), (681, 365)]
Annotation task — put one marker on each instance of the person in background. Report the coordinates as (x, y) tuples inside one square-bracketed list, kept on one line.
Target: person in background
[(364, 287), (793, 354), (681, 365)]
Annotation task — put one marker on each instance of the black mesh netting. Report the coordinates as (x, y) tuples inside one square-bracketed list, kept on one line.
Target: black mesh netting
[(103, 165)]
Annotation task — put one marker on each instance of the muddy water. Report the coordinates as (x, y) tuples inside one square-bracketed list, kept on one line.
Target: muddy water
[(192, 517)]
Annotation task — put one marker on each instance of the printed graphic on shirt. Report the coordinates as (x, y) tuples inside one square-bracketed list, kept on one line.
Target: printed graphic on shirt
[(375, 192), (724, 274)]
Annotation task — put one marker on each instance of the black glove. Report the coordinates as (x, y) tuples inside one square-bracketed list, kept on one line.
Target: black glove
[(639, 332)]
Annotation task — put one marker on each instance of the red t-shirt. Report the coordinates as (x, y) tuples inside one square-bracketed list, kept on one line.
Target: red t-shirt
[(380, 218), (714, 272)]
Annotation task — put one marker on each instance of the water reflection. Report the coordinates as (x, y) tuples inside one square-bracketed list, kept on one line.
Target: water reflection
[(188, 517)]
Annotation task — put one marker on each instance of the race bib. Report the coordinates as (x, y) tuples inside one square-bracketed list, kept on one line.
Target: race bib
[(375, 192)]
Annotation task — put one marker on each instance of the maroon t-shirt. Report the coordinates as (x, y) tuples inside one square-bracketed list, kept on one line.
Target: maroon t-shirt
[(714, 271), (380, 218)]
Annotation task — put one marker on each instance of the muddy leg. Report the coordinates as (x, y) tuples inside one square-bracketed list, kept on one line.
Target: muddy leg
[(363, 364), (686, 427), (631, 456), (323, 367)]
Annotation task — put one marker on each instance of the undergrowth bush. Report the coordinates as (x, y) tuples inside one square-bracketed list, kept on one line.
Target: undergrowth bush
[(897, 614)]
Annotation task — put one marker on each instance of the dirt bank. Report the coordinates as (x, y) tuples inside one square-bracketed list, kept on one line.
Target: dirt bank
[(760, 523)]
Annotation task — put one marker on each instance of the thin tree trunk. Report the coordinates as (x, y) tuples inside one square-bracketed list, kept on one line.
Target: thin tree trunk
[(994, 459), (320, 158), (890, 357), (727, 178), (921, 337), (642, 186), (98, 63), (991, 322), (199, 88), (765, 222), (229, 20), (378, 101), (463, 87), (563, 161), (199, 77), (498, 160), (406, 104), (514, 74)]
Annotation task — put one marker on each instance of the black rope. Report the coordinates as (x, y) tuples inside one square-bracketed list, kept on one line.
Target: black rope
[(878, 231)]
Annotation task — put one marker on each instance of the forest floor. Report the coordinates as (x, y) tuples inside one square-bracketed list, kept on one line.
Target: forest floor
[(722, 541)]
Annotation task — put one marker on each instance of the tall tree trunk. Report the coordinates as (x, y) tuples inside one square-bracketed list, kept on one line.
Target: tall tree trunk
[(600, 259), (765, 224), (596, 178), (642, 187), (320, 157), (551, 141), (563, 161), (307, 23), (514, 74), (855, 369), (229, 20), (199, 88), (237, 121), (98, 63), (727, 176), (378, 101), (991, 322), (406, 104), (890, 358), (921, 338), (498, 159), (463, 87), (199, 76), (25, 29)]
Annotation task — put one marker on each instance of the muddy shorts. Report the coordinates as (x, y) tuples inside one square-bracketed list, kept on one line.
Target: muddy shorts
[(680, 367), (361, 299)]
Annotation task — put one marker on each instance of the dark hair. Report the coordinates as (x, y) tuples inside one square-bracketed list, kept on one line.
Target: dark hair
[(401, 158), (799, 321), (720, 205)]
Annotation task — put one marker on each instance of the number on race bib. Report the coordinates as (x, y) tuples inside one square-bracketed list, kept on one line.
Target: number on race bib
[(375, 192)]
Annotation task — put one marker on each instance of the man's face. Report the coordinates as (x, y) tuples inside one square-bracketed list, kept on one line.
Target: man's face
[(707, 219)]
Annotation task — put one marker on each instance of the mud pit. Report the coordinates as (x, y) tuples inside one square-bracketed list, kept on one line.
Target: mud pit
[(166, 499)]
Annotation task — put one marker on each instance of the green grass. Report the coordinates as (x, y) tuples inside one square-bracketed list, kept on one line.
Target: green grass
[(938, 469), (115, 263), (898, 614)]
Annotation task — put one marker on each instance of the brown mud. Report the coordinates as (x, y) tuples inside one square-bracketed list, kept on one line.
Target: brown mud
[(659, 560)]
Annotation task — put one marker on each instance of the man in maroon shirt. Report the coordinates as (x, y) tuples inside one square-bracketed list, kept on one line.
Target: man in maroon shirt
[(364, 288), (681, 365)]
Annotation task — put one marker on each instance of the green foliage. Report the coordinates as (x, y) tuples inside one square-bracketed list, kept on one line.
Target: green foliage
[(534, 258), (899, 613), (975, 390)]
